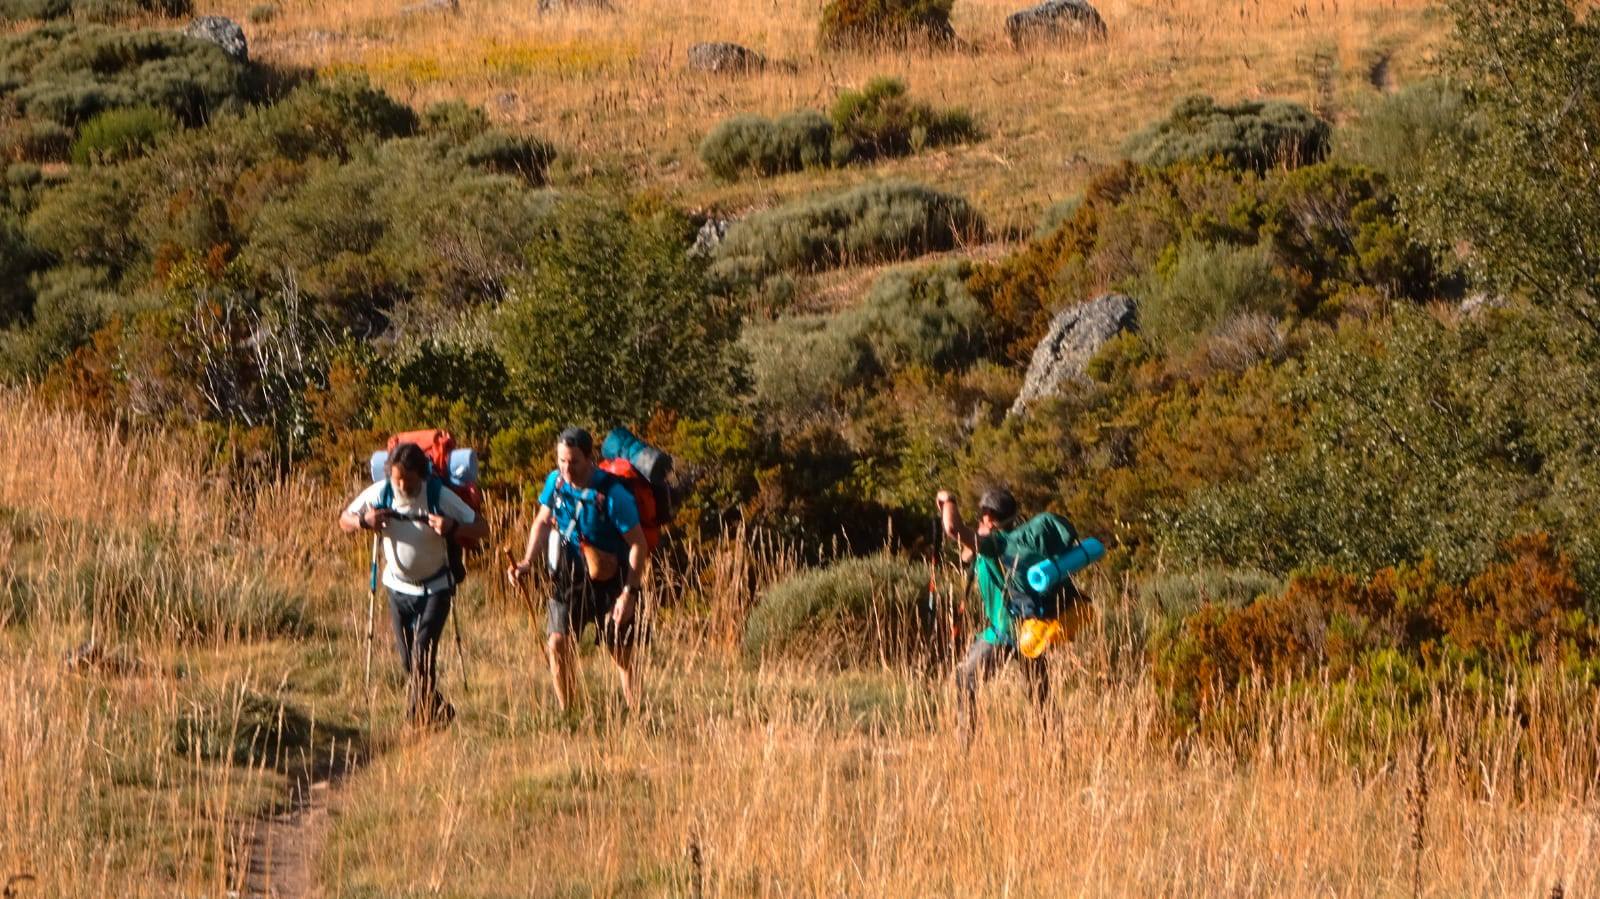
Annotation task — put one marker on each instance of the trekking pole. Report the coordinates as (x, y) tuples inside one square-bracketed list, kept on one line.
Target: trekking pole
[(372, 600), (461, 655), (522, 589)]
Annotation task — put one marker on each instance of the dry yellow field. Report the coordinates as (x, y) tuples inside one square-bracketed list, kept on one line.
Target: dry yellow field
[(613, 89), (227, 610)]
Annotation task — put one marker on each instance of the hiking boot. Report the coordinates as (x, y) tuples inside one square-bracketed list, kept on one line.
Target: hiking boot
[(438, 716)]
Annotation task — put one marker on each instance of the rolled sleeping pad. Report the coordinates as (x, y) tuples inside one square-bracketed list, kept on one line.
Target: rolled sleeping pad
[(463, 466), (380, 465), (1044, 575), (621, 443)]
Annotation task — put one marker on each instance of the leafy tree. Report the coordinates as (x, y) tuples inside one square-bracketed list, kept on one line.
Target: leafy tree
[(615, 319), (1522, 188)]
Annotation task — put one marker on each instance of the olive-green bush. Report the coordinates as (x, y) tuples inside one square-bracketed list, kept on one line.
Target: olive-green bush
[(67, 73), (1250, 135), (91, 10), (762, 146), (615, 319), (871, 223), (1201, 286), (120, 134), (881, 121), (878, 121), (854, 613), (870, 24), (1396, 133), (800, 364)]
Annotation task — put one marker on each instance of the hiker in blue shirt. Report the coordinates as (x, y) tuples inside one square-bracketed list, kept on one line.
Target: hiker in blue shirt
[(985, 548), (597, 556)]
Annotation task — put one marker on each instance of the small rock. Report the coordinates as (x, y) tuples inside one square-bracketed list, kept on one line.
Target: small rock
[(709, 237), (225, 33), (1076, 334), (1055, 20), (721, 56)]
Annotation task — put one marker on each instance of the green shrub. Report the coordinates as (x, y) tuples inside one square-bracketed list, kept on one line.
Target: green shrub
[(876, 122), (523, 157), (1396, 132), (89, 221), (751, 143), (1420, 439), (70, 73), (1249, 135), (871, 223), (880, 121), (800, 364), (455, 120), (615, 319), (119, 134), (853, 613), (72, 303), (91, 10), (1178, 595), (17, 259), (868, 24), (1514, 196), (1201, 286), (922, 316), (1057, 214)]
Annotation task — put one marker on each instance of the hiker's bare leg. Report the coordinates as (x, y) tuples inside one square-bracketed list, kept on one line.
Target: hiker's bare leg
[(627, 671), (563, 668)]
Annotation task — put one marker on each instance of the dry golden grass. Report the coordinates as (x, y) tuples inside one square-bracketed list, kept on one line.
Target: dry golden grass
[(612, 88), (777, 780)]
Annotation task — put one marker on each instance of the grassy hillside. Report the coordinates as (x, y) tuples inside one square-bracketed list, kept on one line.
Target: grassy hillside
[(142, 772), (1347, 632), (615, 87)]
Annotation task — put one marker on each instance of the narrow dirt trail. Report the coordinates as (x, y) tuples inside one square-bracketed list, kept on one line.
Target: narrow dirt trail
[(281, 862)]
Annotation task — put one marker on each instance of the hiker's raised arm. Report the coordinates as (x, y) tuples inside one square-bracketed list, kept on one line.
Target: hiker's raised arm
[(954, 528)]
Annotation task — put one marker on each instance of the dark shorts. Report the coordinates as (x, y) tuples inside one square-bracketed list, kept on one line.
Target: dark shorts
[(578, 602)]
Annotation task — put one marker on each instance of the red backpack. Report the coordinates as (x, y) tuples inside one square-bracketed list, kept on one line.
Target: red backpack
[(644, 496)]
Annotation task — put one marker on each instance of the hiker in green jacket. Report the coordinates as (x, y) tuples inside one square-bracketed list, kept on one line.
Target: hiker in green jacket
[(985, 548)]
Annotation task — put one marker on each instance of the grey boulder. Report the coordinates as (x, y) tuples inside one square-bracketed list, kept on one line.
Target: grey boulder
[(225, 33), (709, 237), (1055, 21), (721, 56), (1076, 334)]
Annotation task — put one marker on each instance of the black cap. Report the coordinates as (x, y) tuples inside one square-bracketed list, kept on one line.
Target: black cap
[(998, 503)]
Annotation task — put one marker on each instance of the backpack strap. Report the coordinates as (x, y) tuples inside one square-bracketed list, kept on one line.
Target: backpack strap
[(385, 496), (434, 490)]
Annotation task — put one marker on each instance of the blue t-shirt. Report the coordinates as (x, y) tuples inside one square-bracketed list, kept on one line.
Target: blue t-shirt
[(600, 513)]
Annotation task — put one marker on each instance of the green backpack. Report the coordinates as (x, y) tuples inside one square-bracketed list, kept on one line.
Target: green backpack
[(1044, 536)]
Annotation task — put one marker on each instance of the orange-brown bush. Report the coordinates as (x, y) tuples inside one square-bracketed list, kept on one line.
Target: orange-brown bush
[(1523, 609)]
